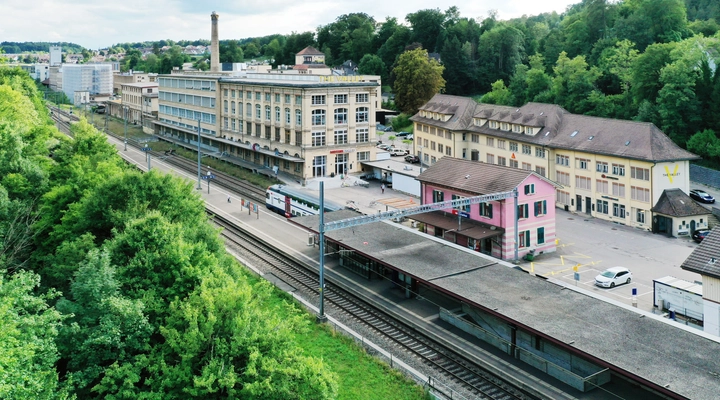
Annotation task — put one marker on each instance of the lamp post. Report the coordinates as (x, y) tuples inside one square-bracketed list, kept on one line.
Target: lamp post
[(321, 233), (209, 177), (198, 151), (125, 114)]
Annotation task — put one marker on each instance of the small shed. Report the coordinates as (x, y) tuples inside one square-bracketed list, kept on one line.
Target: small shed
[(676, 214)]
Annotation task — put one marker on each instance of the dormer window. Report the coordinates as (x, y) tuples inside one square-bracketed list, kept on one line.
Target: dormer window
[(493, 124), (517, 128), (435, 116), (505, 126), (477, 122), (529, 130)]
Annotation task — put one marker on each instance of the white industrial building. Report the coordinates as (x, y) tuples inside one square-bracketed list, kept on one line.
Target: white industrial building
[(55, 55)]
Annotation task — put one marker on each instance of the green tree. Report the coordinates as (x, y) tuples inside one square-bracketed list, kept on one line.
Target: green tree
[(372, 65), (417, 79), (499, 94), (500, 50), (573, 82), (707, 145), (427, 26), (231, 52), (28, 328), (456, 64)]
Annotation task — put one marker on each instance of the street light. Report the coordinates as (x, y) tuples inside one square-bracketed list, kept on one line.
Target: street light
[(198, 151), (126, 112)]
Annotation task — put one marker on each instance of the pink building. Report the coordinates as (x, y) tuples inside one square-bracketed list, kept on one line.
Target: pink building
[(490, 227)]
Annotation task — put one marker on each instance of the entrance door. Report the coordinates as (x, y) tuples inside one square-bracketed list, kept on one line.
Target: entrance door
[(319, 166), (588, 205), (692, 226), (341, 163), (578, 203)]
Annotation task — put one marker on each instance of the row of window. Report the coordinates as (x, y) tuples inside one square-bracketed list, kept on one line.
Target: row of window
[(443, 149), (340, 136), (318, 100), (194, 84), (340, 116), (603, 167), (188, 114), (486, 209), (604, 187), (524, 238), (605, 208), (199, 101)]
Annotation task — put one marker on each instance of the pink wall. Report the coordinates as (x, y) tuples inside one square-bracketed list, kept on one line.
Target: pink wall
[(504, 214)]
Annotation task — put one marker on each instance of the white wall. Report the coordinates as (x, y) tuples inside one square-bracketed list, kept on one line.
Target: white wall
[(711, 317), (669, 175), (406, 184)]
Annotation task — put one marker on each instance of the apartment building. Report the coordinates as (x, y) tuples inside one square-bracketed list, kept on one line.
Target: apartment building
[(306, 126), (610, 169), (93, 78)]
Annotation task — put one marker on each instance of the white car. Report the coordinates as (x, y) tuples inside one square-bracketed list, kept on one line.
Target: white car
[(613, 276), (398, 152)]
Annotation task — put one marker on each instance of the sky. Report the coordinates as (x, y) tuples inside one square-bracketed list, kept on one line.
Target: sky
[(98, 24)]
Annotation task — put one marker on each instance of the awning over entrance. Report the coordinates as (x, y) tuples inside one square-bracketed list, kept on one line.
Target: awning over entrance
[(467, 227)]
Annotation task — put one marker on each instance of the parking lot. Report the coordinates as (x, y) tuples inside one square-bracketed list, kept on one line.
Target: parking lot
[(593, 245)]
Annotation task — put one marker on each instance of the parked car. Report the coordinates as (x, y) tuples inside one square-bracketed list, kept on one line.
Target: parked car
[(383, 146), (388, 129), (701, 196), (398, 152), (412, 159), (402, 134), (613, 276), (700, 234), (380, 127), (410, 137)]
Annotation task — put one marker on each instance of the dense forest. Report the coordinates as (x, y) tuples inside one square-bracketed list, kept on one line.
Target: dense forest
[(35, 47), (114, 285)]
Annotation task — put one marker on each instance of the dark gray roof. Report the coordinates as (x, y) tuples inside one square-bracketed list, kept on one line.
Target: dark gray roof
[(462, 109), (563, 130), (675, 203), (475, 177), (705, 259)]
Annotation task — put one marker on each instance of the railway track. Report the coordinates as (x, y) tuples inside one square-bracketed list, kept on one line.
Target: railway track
[(450, 366)]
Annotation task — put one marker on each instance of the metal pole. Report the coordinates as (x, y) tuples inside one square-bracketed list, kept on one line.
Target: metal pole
[(517, 234), (125, 111), (198, 151), (321, 230), (148, 156)]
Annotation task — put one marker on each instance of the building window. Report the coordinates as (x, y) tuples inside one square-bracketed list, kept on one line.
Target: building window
[(562, 160), (341, 136), (361, 98), (277, 134), (363, 155), (267, 132), (318, 138), (522, 211), (287, 116), (257, 111), (258, 96), (618, 189), (530, 188), (524, 239), (640, 194), (438, 196), (298, 118), (502, 161), (277, 114), (225, 121), (298, 100), (362, 114), (225, 106), (361, 135), (493, 124), (298, 138), (249, 128), (583, 182), (526, 149), (341, 99), (317, 100), (234, 124), (490, 159), (248, 95), (583, 163), (618, 210), (490, 142), (432, 146), (287, 99), (465, 208), (527, 166), (267, 113), (513, 163), (225, 92), (618, 169), (318, 117), (277, 97), (341, 116), (475, 138), (448, 151), (602, 207), (501, 144), (601, 167), (239, 108), (517, 128), (486, 210), (267, 96), (248, 110), (562, 178), (640, 216), (539, 152), (640, 173), (563, 197), (602, 186), (541, 235), (513, 146), (440, 147), (540, 208)]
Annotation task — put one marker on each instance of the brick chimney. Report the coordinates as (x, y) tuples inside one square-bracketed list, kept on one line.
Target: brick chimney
[(214, 44)]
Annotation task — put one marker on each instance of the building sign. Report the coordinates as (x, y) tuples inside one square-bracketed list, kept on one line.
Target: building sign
[(344, 78), (341, 151), (670, 175), (461, 213)]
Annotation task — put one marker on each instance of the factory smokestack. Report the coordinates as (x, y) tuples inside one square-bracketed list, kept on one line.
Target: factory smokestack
[(214, 44)]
